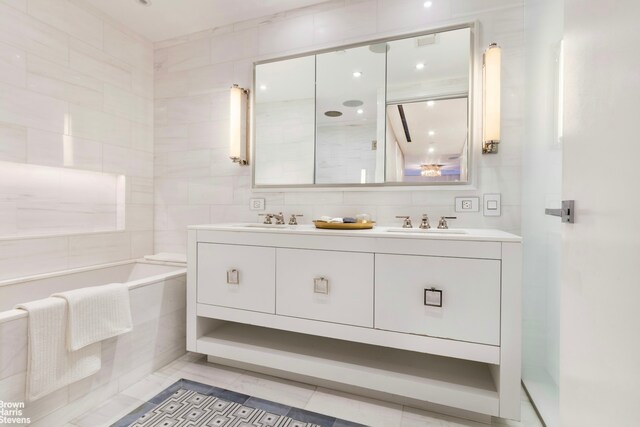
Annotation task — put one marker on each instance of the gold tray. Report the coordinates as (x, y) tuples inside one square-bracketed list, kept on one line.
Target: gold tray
[(341, 226)]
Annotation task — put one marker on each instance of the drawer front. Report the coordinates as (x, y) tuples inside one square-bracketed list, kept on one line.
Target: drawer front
[(250, 287), (468, 290), (325, 285)]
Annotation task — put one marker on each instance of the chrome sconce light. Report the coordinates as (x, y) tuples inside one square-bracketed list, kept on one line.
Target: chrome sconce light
[(491, 99), (239, 125)]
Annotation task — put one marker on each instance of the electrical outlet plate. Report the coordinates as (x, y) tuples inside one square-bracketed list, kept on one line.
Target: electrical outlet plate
[(492, 205), (256, 204), (467, 204)]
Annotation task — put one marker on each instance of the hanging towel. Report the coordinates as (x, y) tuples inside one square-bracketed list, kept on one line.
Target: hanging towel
[(96, 313), (50, 366)]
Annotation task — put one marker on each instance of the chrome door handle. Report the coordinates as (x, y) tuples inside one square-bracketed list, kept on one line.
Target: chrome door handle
[(566, 212), (233, 277)]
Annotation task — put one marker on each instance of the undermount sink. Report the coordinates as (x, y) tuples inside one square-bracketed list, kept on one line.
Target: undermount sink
[(427, 231)]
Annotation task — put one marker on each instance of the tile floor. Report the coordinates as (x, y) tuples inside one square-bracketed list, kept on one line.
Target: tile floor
[(337, 404)]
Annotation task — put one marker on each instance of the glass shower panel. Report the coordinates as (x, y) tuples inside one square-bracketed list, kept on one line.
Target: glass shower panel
[(542, 180)]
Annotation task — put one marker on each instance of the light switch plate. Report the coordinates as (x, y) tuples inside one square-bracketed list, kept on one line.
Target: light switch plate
[(492, 205), (467, 204), (256, 204)]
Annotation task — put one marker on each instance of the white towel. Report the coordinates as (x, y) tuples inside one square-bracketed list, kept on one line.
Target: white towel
[(96, 313), (50, 366)]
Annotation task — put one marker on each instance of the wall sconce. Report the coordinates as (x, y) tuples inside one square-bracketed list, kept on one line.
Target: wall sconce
[(239, 122), (491, 99)]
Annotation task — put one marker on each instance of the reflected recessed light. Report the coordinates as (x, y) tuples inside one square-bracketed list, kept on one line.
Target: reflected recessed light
[(431, 103), (352, 103), (431, 150), (419, 66), (427, 4), (357, 74), (263, 87), (431, 133), (360, 111)]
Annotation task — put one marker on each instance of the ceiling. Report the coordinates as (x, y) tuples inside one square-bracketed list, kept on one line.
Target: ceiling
[(165, 19)]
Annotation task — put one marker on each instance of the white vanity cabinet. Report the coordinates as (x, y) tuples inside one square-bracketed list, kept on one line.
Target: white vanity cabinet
[(420, 316), (330, 286), (453, 298)]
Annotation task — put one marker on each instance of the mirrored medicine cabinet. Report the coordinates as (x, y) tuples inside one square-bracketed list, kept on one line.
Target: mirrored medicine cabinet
[(388, 113)]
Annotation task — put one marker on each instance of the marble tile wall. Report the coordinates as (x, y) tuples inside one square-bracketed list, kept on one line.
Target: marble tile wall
[(158, 337), (76, 91), (196, 183)]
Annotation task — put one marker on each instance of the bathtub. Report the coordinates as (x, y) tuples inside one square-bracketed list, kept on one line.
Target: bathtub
[(158, 308)]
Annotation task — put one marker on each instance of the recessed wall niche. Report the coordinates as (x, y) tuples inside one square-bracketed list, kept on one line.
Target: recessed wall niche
[(42, 200)]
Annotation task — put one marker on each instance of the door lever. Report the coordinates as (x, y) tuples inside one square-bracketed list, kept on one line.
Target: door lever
[(566, 212)]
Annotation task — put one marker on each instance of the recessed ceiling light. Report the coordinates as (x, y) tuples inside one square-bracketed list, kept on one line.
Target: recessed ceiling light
[(263, 87), (419, 66), (357, 74), (144, 2), (332, 113), (431, 133), (352, 103), (431, 103), (360, 111), (427, 4), (431, 150)]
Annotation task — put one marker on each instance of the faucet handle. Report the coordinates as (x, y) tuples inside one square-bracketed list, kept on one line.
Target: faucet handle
[(442, 224), (425, 222), (407, 221), (293, 220), (267, 217)]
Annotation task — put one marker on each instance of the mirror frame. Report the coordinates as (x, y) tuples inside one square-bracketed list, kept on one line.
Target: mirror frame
[(451, 185)]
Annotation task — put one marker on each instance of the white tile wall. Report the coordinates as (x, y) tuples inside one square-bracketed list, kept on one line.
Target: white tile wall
[(194, 72), (71, 77)]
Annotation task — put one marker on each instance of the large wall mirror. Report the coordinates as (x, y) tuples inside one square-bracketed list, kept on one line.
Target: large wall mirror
[(394, 112)]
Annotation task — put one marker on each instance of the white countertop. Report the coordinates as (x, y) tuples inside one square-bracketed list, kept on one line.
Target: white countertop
[(469, 234)]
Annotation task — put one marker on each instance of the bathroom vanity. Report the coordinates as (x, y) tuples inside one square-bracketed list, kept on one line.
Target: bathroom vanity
[(428, 315)]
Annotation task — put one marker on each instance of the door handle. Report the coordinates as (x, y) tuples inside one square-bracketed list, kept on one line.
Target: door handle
[(566, 212)]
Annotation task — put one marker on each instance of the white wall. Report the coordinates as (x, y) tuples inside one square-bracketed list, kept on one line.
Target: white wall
[(76, 90), (600, 319), (195, 181)]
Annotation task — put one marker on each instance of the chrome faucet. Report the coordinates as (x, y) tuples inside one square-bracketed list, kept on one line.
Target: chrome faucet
[(279, 218), (293, 220), (425, 222), (407, 221), (442, 224)]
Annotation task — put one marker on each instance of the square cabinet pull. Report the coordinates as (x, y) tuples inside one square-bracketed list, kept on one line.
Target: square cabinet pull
[(233, 277), (433, 297), (320, 285)]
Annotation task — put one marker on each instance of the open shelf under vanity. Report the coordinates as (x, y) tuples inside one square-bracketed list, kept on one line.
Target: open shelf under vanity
[(441, 380)]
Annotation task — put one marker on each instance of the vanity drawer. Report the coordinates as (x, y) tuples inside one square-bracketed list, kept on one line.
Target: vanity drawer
[(237, 276), (468, 290), (325, 285)]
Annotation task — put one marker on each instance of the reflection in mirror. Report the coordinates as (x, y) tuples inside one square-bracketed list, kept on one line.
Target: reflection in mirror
[(428, 80), (284, 101), (427, 141), (429, 66), (350, 116)]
